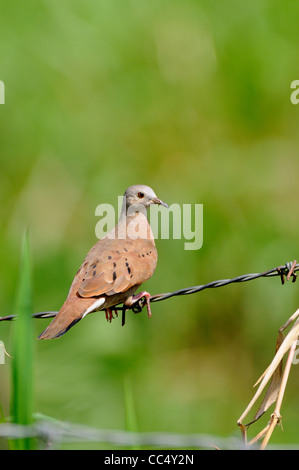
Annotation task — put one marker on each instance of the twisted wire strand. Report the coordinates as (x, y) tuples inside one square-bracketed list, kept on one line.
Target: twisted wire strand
[(287, 270)]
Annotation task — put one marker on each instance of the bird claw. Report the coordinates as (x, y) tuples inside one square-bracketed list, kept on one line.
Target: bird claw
[(109, 314), (142, 299)]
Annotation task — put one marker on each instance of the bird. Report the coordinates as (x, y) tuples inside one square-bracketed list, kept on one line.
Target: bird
[(115, 267)]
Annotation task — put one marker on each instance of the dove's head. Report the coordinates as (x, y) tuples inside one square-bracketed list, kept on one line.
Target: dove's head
[(141, 195)]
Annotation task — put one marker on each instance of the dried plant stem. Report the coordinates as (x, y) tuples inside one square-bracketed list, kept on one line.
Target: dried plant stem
[(258, 436), (277, 386), (275, 417)]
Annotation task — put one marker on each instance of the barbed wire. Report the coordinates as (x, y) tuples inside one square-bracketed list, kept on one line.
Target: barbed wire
[(53, 433), (288, 270)]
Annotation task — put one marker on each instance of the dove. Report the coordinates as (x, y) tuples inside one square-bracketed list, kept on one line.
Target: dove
[(115, 267)]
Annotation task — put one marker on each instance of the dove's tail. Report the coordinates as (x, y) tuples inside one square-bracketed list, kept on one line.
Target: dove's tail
[(69, 314), (64, 320)]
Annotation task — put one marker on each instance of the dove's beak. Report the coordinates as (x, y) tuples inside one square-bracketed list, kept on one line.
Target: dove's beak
[(161, 203)]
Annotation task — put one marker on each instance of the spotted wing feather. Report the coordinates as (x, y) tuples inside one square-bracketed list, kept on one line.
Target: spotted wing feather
[(120, 270)]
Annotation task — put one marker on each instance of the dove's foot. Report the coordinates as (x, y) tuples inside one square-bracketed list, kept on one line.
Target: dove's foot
[(109, 314), (147, 297)]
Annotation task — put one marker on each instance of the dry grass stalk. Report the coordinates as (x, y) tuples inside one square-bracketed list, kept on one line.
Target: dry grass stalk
[(277, 386)]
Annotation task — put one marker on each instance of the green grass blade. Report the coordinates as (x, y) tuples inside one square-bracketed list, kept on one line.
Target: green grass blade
[(130, 410), (22, 364)]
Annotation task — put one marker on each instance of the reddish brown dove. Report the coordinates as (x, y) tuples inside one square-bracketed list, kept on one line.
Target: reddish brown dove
[(115, 266)]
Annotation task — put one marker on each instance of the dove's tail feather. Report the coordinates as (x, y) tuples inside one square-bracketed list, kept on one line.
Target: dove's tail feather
[(54, 331), (63, 321), (70, 313)]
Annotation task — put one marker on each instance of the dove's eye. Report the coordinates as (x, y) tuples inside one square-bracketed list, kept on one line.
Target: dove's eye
[(140, 195)]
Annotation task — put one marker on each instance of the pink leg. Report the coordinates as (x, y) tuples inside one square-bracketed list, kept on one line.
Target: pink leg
[(109, 314), (147, 297), (116, 312)]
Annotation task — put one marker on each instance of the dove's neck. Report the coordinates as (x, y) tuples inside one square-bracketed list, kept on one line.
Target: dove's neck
[(133, 224)]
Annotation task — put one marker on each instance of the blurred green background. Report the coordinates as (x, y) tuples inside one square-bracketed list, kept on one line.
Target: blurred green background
[(193, 99)]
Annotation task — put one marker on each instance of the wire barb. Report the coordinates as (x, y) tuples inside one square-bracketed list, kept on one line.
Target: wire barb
[(287, 270)]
